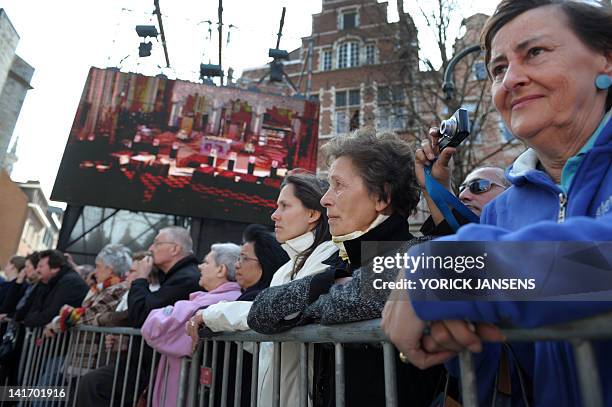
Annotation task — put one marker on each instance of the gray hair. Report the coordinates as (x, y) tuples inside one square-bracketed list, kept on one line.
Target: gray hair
[(117, 257), (181, 237), (499, 174), (226, 254)]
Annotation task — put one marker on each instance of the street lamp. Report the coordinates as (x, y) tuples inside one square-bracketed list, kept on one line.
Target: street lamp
[(448, 87)]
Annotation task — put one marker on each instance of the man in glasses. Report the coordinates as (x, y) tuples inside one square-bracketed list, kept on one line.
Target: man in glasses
[(171, 252), (480, 186)]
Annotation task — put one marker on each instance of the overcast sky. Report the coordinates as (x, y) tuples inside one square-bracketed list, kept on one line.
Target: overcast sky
[(61, 39)]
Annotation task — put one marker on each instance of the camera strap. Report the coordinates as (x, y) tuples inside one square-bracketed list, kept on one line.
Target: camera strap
[(445, 200)]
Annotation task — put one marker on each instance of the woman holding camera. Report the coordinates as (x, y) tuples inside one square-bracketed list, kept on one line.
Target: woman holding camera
[(550, 64)]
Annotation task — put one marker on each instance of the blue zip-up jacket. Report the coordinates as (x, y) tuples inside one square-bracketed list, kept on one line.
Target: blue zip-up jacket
[(536, 209)]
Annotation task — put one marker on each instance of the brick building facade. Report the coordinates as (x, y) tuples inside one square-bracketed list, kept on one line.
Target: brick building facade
[(365, 71)]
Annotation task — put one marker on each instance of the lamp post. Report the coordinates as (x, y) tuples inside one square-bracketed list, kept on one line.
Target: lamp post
[(448, 87)]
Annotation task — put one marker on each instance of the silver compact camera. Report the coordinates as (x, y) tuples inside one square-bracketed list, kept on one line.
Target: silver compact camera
[(455, 129)]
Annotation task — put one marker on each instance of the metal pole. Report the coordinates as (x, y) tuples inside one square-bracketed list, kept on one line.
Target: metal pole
[(390, 374), (448, 87), (220, 12), (309, 75), (588, 375), (468, 379), (161, 30), (339, 375)]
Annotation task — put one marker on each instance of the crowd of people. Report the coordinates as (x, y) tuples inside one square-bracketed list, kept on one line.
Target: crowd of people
[(550, 64)]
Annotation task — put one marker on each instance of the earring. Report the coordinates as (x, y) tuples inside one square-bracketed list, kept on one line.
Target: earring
[(603, 81)]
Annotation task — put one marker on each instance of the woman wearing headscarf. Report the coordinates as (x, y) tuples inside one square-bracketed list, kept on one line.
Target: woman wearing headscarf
[(550, 65)]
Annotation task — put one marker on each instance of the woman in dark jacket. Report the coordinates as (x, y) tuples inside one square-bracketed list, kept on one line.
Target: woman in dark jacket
[(372, 192)]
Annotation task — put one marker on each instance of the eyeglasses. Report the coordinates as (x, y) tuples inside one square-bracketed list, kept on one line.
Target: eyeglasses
[(243, 258), (479, 186)]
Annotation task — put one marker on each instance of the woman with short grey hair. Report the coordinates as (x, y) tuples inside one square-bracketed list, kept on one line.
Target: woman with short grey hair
[(116, 257), (226, 254), (164, 328)]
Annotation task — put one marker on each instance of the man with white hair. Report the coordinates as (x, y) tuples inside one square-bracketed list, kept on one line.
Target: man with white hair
[(171, 253)]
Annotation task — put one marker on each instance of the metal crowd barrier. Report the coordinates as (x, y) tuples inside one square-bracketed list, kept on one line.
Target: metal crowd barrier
[(196, 393), (63, 359), (579, 333)]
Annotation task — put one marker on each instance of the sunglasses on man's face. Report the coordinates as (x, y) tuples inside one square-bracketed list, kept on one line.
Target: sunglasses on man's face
[(478, 186)]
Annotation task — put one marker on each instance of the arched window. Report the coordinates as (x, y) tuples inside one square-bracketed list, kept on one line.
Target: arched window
[(348, 54)]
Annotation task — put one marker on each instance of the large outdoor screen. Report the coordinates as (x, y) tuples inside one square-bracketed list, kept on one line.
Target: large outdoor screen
[(169, 146)]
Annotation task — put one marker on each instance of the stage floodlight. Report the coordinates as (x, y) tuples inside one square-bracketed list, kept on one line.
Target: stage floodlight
[(276, 71), (210, 70), (145, 31), (144, 50), (278, 53)]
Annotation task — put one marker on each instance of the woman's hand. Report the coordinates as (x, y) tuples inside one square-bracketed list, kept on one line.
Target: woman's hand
[(193, 327)]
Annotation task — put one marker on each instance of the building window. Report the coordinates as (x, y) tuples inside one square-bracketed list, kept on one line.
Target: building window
[(326, 61), (348, 54), (392, 112), (370, 57), (347, 110), (349, 20)]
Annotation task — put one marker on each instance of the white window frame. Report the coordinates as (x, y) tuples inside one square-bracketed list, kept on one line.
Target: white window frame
[(326, 63), (343, 114), (370, 59), (348, 54)]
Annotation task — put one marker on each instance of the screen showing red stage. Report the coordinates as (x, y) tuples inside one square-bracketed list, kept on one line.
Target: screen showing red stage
[(153, 144)]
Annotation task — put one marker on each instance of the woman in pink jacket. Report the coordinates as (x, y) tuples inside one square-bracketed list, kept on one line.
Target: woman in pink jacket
[(164, 329)]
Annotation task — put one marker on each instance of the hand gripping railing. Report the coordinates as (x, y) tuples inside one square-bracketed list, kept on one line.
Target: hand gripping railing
[(578, 333), (63, 359)]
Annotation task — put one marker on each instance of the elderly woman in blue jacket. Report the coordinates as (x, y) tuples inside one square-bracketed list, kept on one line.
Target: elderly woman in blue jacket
[(550, 64)]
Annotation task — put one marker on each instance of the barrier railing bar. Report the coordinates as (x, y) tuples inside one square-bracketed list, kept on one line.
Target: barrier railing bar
[(303, 375), (202, 386), (165, 377), (468, 379), (193, 375), (180, 397), (27, 348), (72, 340), (276, 364), (24, 354), (37, 358), (339, 384), (225, 371), (213, 364), (138, 372), (153, 370), (390, 376), (99, 358), (60, 370), (588, 375), (127, 371), (91, 350), (80, 364), (112, 400), (238, 380), (254, 374)]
